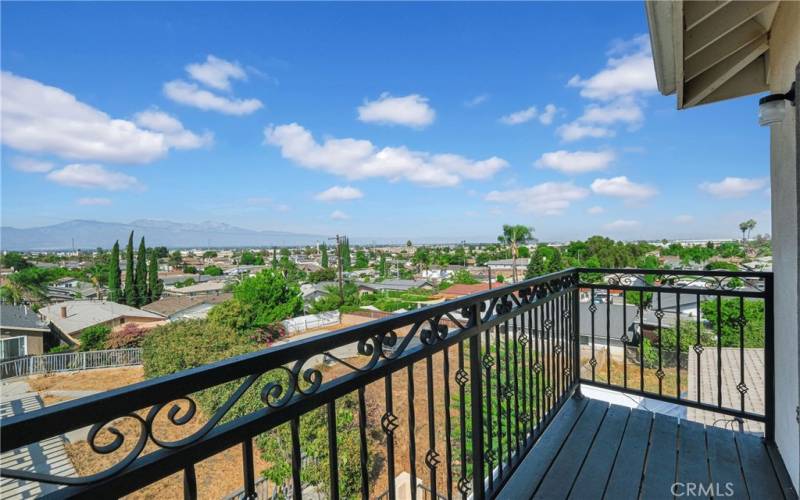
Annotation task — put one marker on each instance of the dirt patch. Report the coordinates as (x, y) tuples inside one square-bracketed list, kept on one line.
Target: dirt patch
[(49, 400), (103, 379), (217, 476)]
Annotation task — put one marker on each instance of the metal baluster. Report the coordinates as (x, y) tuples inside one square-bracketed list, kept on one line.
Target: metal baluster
[(333, 458), (362, 437), (624, 339), (296, 459), (412, 442), (678, 348), (660, 371), (432, 457), (698, 348), (499, 394), (476, 413), (742, 387), (507, 395), (719, 351), (462, 417), (529, 367), (608, 336), (537, 316), (447, 424), (592, 309), (524, 414), (248, 470), (515, 336), (189, 483), (489, 425), (641, 340), (389, 425)]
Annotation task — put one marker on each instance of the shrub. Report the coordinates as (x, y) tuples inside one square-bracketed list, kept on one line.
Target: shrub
[(130, 335), (187, 344), (59, 349), (212, 271), (94, 337)]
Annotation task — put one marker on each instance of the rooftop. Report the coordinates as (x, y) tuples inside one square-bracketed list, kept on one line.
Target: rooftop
[(20, 317), (85, 313)]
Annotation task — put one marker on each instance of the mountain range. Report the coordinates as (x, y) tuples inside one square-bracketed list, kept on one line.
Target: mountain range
[(90, 234)]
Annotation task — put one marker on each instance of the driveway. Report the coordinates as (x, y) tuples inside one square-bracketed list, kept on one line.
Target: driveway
[(48, 456)]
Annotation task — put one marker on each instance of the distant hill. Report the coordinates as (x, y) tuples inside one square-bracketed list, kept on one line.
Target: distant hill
[(92, 234)]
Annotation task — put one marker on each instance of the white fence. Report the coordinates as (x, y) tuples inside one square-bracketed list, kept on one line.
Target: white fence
[(303, 323), (70, 361)]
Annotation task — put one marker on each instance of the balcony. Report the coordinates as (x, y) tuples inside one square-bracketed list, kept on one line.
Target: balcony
[(583, 383)]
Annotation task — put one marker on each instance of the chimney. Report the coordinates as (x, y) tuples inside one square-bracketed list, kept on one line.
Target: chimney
[(63, 311)]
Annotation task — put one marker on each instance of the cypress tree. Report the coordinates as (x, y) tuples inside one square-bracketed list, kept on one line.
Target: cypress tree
[(324, 260), (274, 258), (130, 288), (153, 283), (140, 278), (114, 290)]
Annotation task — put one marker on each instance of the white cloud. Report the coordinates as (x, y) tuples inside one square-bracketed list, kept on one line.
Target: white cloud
[(517, 117), (192, 95), (549, 198), (31, 165), (631, 73), (622, 225), (549, 113), (39, 118), (575, 131), (340, 193), (733, 187), (94, 201), (339, 215), (216, 73), (597, 209), (93, 176), (683, 219), (360, 159), (411, 110), (174, 133), (621, 187), (476, 101), (625, 110), (576, 162)]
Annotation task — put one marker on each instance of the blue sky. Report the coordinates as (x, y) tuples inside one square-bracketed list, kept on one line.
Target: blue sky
[(375, 120)]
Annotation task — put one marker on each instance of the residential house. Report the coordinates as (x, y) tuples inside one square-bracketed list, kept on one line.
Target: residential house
[(69, 319), (394, 285), (205, 288), (459, 290), (186, 307), (22, 332), (69, 288)]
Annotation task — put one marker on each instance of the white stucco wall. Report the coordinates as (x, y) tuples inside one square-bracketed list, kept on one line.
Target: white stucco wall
[(784, 56)]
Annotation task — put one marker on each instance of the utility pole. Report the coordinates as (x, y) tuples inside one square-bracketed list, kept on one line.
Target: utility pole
[(489, 268), (339, 266)]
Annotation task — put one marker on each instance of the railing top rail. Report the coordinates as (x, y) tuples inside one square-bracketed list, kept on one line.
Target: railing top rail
[(717, 273), (31, 427)]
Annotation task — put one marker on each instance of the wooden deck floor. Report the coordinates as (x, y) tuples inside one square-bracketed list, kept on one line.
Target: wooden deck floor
[(596, 450)]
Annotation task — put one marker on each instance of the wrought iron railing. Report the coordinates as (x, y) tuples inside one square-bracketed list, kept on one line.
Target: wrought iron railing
[(699, 339), (419, 385)]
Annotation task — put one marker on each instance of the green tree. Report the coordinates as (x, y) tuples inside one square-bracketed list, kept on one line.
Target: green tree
[(361, 259), (209, 254), (753, 327), (161, 252), (154, 285), (513, 236), (251, 259), (545, 259), (175, 258), (382, 265), (94, 337), (114, 288), (264, 299), (142, 295), (130, 280), (15, 260), (323, 248), (212, 271), (462, 276)]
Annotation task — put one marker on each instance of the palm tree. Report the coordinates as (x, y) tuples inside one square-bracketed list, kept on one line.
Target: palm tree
[(513, 236), (751, 224), (743, 228)]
